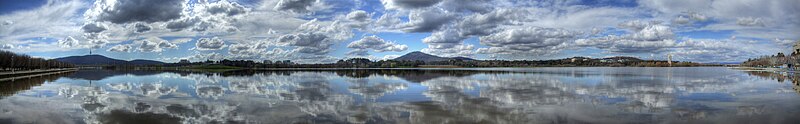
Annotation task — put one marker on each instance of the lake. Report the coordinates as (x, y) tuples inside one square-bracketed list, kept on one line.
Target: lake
[(474, 95)]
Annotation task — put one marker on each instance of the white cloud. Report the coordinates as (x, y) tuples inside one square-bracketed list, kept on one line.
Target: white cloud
[(459, 50), (69, 42), (54, 19), (154, 44), (121, 48), (426, 20), (750, 21), (300, 6), (652, 38), (408, 4), (311, 43), (377, 44), (214, 43), (527, 40)]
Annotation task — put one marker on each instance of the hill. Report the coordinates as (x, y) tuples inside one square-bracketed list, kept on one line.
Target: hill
[(417, 55), (103, 60)]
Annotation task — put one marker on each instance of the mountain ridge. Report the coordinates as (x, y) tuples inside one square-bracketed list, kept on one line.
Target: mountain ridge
[(417, 55), (103, 60)]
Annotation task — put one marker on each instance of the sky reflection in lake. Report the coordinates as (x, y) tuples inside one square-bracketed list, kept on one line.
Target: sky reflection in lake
[(514, 95)]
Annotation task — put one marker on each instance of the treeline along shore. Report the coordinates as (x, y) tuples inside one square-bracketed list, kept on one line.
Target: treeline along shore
[(10, 61), (366, 63)]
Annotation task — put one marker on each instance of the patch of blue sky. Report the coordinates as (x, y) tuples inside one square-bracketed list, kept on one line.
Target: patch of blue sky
[(10, 6)]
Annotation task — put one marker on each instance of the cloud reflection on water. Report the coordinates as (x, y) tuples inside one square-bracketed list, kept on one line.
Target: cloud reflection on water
[(548, 95)]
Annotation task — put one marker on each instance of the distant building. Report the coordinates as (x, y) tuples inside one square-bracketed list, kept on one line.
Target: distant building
[(184, 61), (267, 62), (669, 59)]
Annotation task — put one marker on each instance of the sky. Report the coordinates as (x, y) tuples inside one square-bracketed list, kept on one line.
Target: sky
[(323, 31)]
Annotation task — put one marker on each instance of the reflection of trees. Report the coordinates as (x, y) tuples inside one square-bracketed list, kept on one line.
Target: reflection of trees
[(8, 88), (795, 79)]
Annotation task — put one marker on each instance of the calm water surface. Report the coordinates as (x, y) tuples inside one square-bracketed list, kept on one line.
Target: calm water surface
[(504, 95)]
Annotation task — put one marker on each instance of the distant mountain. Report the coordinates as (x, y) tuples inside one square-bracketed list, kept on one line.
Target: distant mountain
[(417, 55), (102, 60)]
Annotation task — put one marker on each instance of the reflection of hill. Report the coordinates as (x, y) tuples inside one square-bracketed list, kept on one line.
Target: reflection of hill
[(8, 88), (100, 74)]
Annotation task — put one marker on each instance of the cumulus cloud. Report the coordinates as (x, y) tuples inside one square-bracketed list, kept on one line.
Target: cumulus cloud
[(458, 50), (358, 15), (121, 48), (637, 25), (96, 40), (204, 57), (443, 39), (214, 43), (485, 24), (181, 24), (689, 18), (375, 43), (141, 28), (154, 44), (7, 46), (93, 28), (426, 20), (536, 40), (715, 50), (128, 11), (68, 42), (225, 7), (244, 51), (750, 21), (308, 42), (408, 4), (389, 57), (652, 38), (298, 6)]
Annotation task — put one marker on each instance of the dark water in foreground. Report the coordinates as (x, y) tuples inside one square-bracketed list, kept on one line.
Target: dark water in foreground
[(518, 95)]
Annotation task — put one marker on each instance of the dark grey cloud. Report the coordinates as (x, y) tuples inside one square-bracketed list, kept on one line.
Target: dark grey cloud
[(298, 6), (427, 20), (141, 28), (129, 11), (408, 4), (181, 24), (209, 44), (93, 28)]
